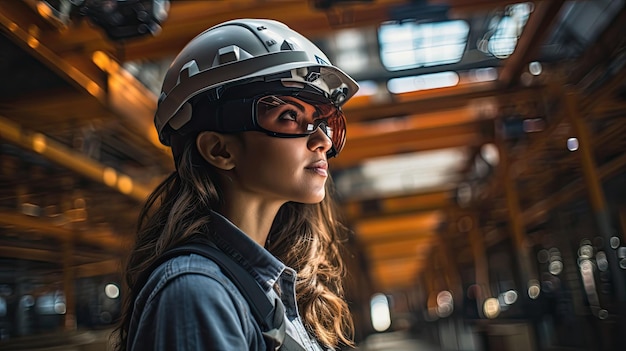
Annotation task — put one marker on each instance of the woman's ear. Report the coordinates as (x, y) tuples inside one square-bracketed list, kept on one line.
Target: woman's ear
[(216, 149)]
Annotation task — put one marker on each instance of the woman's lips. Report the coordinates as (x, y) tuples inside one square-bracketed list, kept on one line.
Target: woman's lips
[(320, 167)]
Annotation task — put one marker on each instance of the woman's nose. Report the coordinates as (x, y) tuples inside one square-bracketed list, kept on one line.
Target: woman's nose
[(319, 140)]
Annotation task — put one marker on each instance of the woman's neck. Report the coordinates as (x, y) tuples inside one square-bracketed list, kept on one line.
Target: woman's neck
[(254, 218)]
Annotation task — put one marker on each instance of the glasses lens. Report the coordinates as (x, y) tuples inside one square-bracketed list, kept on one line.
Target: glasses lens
[(298, 116)]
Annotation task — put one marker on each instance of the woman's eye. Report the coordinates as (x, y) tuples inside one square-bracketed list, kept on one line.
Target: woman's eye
[(289, 115)]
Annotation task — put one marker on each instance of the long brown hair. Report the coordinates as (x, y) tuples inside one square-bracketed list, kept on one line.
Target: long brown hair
[(307, 238)]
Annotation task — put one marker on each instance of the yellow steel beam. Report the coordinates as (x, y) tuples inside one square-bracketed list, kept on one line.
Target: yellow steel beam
[(50, 229), (379, 229), (397, 204), (412, 247), (72, 160)]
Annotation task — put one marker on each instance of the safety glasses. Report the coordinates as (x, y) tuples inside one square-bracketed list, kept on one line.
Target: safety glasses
[(291, 115)]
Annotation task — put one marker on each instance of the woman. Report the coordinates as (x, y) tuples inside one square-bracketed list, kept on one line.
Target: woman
[(252, 111)]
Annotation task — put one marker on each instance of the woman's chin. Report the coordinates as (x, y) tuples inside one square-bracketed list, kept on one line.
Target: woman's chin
[(315, 199)]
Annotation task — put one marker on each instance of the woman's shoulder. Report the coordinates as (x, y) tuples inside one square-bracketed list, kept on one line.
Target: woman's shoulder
[(191, 291), (189, 272)]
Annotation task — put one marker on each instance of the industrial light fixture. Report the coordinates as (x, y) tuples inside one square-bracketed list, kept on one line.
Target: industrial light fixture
[(123, 19), (120, 19)]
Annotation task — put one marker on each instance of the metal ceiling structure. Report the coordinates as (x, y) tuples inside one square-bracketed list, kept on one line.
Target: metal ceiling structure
[(79, 153)]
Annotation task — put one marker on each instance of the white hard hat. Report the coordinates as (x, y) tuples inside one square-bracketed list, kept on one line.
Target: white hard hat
[(240, 51)]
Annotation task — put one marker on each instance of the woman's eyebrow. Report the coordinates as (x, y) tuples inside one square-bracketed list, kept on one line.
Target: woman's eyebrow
[(297, 104), (277, 101)]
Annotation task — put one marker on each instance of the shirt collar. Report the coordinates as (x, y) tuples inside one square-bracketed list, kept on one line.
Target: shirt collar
[(264, 266)]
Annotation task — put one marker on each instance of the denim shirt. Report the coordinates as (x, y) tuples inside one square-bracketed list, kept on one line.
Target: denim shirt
[(189, 304)]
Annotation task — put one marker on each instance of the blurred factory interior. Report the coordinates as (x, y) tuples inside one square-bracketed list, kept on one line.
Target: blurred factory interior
[(484, 175)]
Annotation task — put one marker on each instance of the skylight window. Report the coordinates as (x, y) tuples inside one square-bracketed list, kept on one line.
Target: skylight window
[(423, 82), (351, 51), (502, 37), (412, 45)]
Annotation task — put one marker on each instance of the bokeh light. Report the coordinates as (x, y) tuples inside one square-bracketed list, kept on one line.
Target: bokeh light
[(535, 68), (556, 267), (491, 308), (614, 242), (445, 304), (490, 153), (112, 291), (601, 261), (534, 289), (585, 251), (379, 310)]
